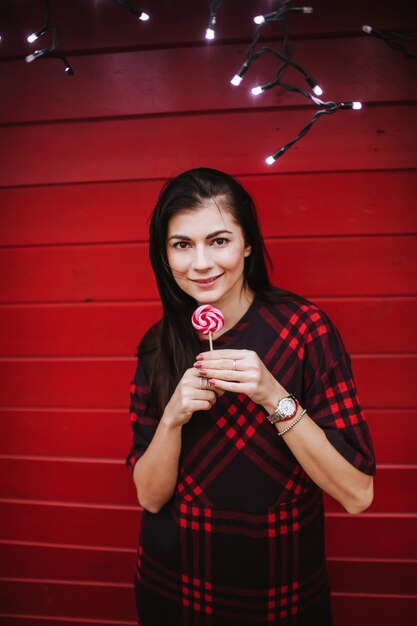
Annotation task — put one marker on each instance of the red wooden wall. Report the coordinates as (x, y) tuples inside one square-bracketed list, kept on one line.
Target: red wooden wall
[(82, 159)]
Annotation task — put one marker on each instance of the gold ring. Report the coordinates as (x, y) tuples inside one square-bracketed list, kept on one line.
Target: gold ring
[(234, 364)]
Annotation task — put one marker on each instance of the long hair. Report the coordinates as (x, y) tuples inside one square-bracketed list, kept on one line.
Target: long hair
[(174, 344)]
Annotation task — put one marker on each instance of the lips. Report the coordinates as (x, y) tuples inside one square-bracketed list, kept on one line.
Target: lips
[(206, 281)]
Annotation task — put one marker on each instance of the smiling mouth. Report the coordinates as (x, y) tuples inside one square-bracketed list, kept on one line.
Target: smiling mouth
[(206, 281)]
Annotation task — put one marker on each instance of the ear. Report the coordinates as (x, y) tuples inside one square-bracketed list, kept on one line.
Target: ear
[(248, 251)]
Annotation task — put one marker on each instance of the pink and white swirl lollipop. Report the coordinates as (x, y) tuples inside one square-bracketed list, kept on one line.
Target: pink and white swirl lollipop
[(208, 319)]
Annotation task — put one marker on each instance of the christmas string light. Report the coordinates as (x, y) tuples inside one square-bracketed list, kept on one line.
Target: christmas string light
[(144, 17), (51, 52), (214, 7), (286, 61), (393, 39)]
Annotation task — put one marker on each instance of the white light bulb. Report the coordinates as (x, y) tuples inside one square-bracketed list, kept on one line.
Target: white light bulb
[(367, 29), (209, 33), (318, 90), (257, 90), (236, 80), (259, 19), (144, 17), (270, 160), (357, 106), (30, 58), (307, 9), (33, 37)]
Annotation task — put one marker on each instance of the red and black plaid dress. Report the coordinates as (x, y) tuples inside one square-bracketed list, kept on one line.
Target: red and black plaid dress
[(241, 542)]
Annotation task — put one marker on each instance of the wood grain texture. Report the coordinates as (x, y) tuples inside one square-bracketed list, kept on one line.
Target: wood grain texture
[(385, 382), (106, 434), (317, 204), (167, 77), (71, 563), (108, 482), (376, 325), (358, 537), (123, 272), (122, 149)]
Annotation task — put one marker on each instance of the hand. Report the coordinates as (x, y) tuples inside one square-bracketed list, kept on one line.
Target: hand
[(189, 396), (241, 371)]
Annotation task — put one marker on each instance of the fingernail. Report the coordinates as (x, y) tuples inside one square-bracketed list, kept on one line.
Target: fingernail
[(212, 381), (199, 357), (197, 364), (203, 373)]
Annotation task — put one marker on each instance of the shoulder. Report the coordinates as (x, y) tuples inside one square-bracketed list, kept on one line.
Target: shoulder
[(297, 314)]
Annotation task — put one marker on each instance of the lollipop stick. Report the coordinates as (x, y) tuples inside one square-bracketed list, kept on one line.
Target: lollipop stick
[(210, 341)]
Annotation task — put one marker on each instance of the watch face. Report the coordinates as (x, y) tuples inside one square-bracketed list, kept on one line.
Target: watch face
[(287, 407)]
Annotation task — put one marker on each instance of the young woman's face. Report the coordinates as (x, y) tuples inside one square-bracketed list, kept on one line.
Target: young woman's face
[(206, 251)]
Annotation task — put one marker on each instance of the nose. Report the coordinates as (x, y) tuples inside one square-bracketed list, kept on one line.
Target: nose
[(202, 259)]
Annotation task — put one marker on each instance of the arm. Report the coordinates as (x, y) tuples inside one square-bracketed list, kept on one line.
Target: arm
[(307, 440), (156, 472)]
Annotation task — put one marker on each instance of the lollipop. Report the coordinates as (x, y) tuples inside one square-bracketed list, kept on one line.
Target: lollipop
[(207, 319)]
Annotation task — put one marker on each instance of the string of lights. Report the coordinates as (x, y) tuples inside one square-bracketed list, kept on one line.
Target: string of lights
[(286, 61), (394, 40), (51, 52), (210, 30), (144, 17)]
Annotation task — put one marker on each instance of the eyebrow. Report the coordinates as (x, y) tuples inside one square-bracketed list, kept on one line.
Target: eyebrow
[(216, 233)]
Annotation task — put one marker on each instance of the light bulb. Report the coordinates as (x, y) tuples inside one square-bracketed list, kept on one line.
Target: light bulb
[(318, 90), (209, 33), (270, 160), (367, 29), (259, 19), (257, 90), (33, 37), (144, 17), (236, 80), (307, 9), (357, 106)]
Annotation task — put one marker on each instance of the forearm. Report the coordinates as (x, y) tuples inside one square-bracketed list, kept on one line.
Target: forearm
[(326, 466), (156, 472)]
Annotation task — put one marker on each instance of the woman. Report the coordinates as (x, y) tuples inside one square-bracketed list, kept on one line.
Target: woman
[(234, 447)]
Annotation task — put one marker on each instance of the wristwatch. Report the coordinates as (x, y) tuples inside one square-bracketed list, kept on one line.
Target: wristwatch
[(285, 410)]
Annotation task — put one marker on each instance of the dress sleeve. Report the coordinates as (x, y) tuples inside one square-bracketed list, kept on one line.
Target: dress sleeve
[(143, 422), (330, 395)]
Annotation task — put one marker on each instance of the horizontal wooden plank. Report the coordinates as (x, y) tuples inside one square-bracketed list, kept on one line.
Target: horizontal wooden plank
[(349, 266), (365, 536), (374, 138), (85, 26), (68, 600), (86, 482), (71, 525), (105, 80), (73, 433), (362, 536), (382, 577), (367, 610), (383, 382), (70, 563), (110, 483), (367, 203), (92, 434), (88, 329)]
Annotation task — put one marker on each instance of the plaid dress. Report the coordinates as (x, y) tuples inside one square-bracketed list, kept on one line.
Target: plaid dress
[(241, 542)]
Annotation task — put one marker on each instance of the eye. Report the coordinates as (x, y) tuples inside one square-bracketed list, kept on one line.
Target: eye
[(181, 245), (220, 242)]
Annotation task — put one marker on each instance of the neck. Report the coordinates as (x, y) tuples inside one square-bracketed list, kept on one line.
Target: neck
[(235, 310)]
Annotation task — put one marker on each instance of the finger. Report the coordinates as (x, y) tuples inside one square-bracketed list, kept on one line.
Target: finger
[(223, 354), (226, 385), (219, 364), (232, 375)]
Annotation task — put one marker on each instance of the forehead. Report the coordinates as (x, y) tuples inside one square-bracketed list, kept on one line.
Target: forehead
[(199, 220)]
